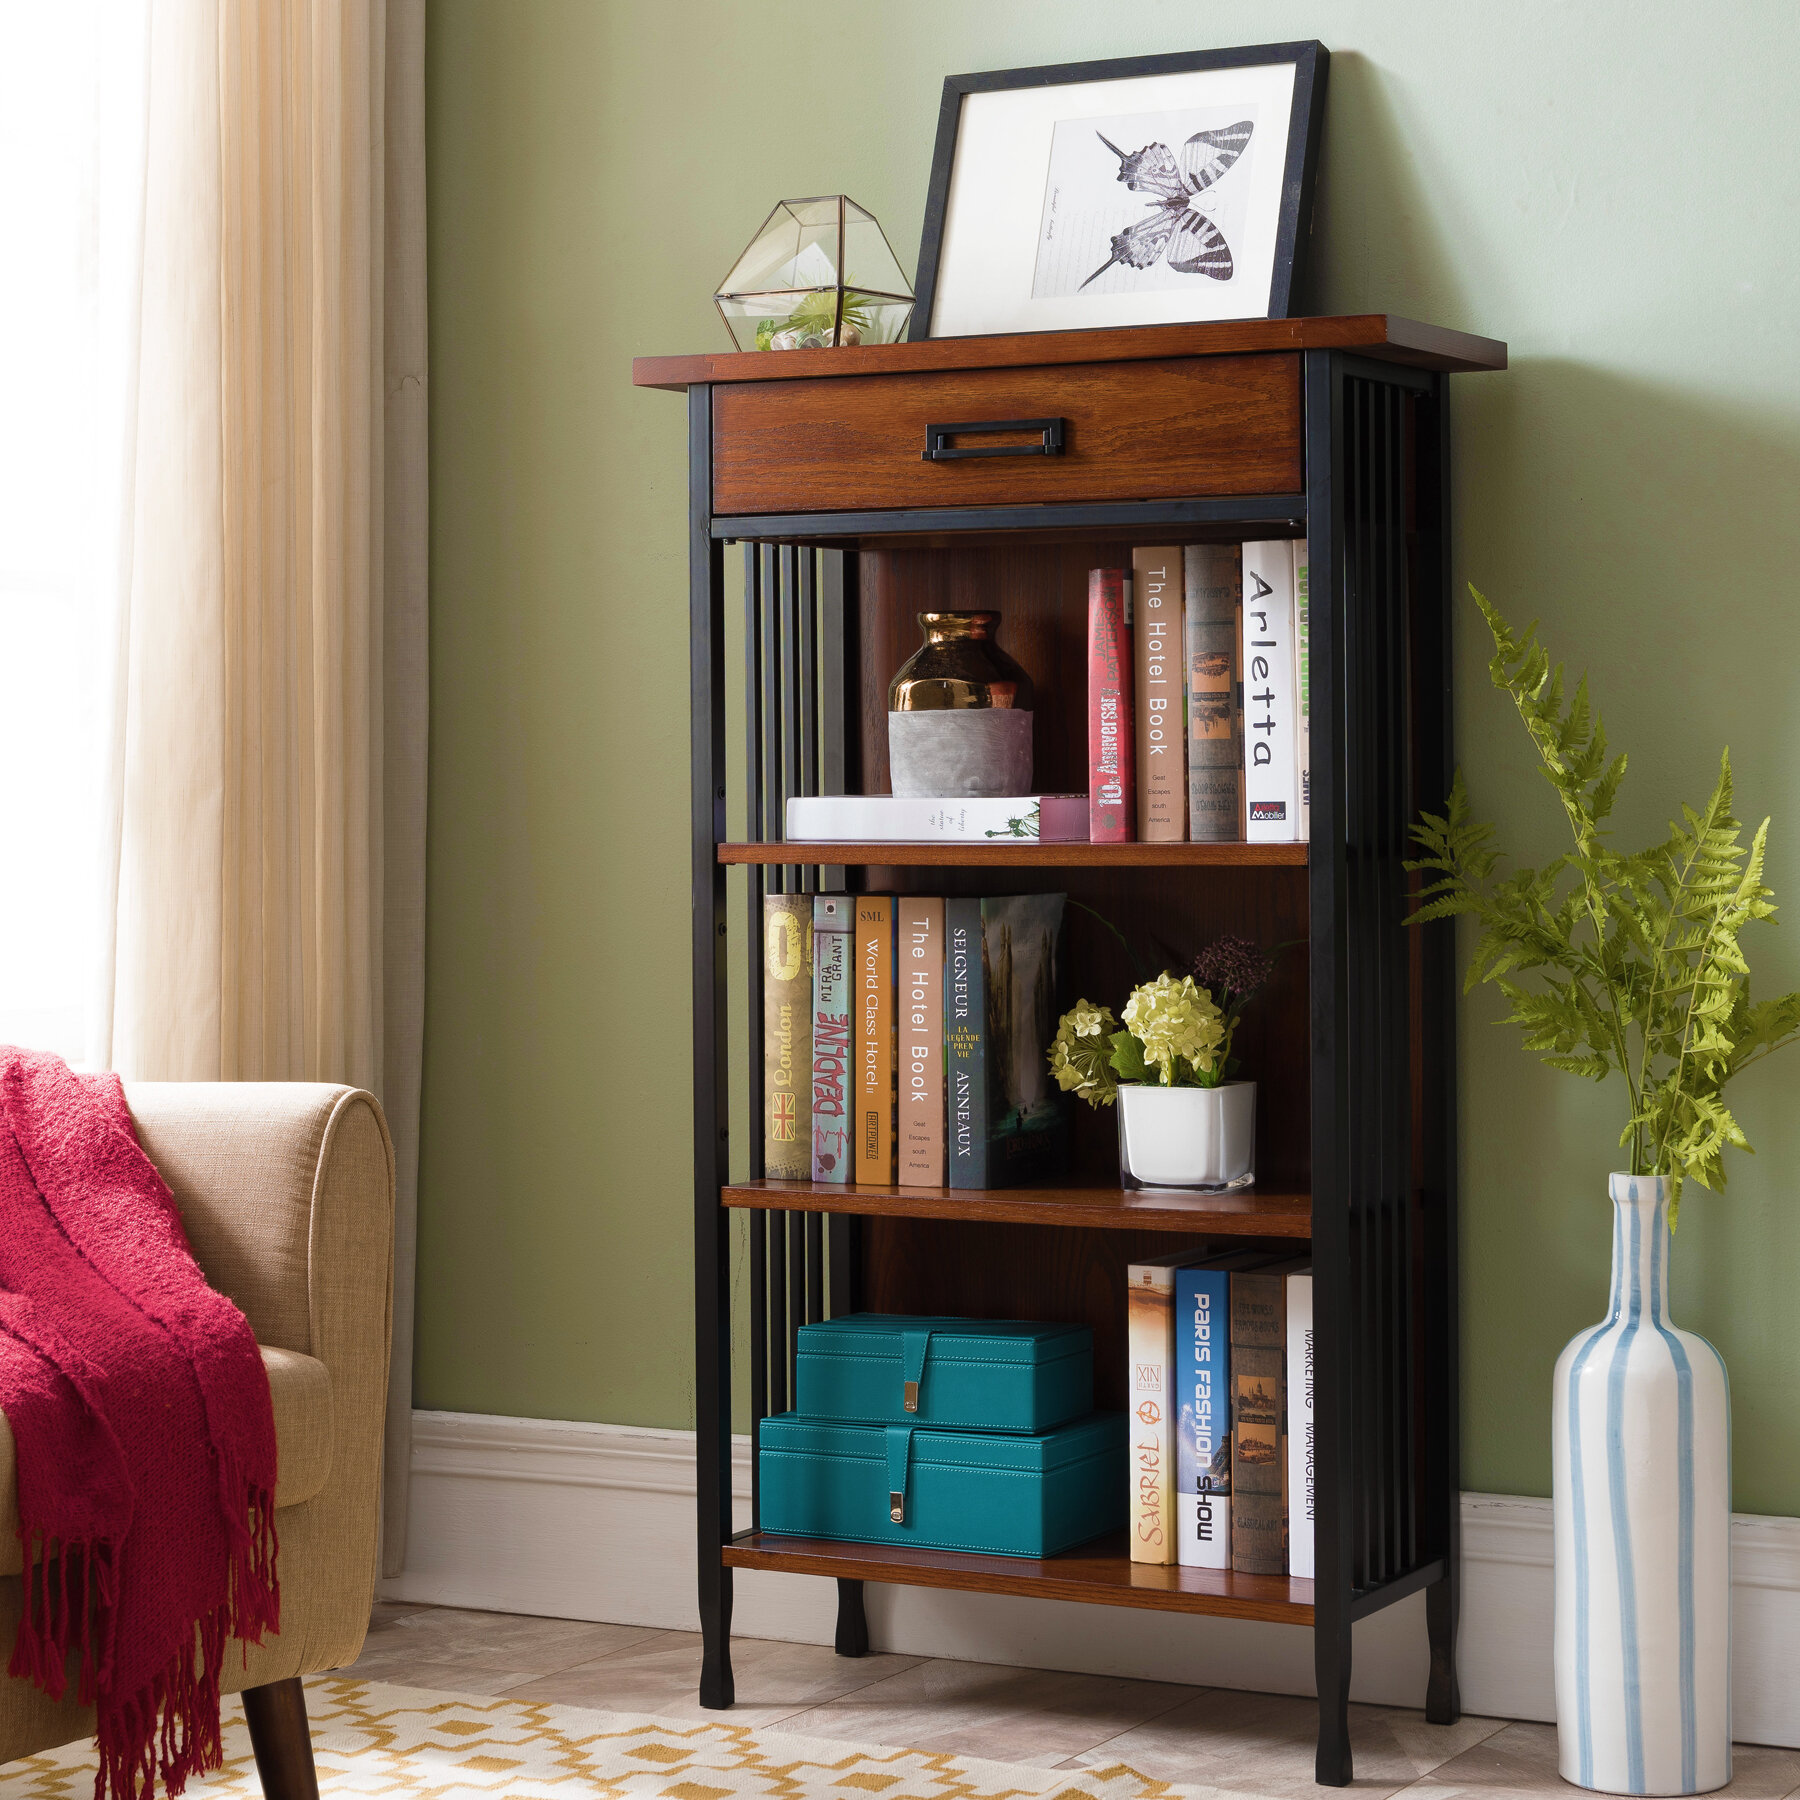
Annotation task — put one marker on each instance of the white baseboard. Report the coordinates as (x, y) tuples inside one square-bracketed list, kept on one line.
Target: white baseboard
[(596, 1522)]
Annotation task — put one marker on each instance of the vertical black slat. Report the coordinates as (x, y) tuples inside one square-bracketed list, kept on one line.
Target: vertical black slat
[(1363, 1077), (759, 1352), (792, 703), (807, 689), (755, 879), (712, 1241), (1377, 928), (837, 663), (796, 1294), (1331, 1061), (1443, 1702), (1406, 1462), (837, 671), (778, 1311), (1395, 952), (1358, 1074), (768, 609), (815, 1268)]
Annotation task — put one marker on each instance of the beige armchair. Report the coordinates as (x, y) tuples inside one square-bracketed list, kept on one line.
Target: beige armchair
[(287, 1193)]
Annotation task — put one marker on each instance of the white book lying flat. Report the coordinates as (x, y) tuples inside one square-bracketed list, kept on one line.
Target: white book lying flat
[(883, 819)]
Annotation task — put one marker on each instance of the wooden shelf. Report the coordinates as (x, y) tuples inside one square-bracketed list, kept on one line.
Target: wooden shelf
[(1382, 335), (1248, 1213), (1099, 1573), (1022, 855)]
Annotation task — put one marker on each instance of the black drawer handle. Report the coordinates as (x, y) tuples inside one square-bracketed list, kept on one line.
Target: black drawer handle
[(938, 447)]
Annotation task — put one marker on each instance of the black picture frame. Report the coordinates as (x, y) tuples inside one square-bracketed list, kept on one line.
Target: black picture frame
[(1311, 62)]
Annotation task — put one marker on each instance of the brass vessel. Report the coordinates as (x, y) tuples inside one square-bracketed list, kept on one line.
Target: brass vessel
[(959, 714), (959, 665)]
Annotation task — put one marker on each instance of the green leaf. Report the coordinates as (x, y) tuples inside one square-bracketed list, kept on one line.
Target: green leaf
[(1128, 1057), (1613, 963)]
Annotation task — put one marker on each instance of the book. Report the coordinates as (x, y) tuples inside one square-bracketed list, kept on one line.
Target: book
[(1271, 798), (832, 914), (1200, 1404), (1302, 693), (1302, 1463), (787, 1036), (919, 952), (1160, 687), (965, 1040), (1213, 590), (1027, 1113), (891, 819), (1111, 806), (872, 1024), (1149, 1348), (1258, 1416)]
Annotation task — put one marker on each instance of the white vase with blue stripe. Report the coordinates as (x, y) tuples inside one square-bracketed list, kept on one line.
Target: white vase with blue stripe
[(1642, 1471)]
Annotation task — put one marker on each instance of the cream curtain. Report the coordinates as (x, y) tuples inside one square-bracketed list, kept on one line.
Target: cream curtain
[(265, 863)]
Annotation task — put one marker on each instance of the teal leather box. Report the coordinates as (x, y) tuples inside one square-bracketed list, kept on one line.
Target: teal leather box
[(1005, 1494), (972, 1374)]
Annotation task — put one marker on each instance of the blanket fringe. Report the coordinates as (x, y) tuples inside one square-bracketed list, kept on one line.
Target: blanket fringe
[(69, 1593), (171, 1725)]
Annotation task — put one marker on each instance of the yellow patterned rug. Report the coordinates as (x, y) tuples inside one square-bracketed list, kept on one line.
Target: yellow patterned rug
[(369, 1738)]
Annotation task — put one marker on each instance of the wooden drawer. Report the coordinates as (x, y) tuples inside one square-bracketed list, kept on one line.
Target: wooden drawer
[(1131, 431)]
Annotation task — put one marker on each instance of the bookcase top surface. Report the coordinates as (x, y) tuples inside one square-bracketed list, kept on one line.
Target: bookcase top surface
[(1379, 335)]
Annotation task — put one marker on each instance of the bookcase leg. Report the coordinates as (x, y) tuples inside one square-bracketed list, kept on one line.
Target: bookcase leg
[(1443, 1699), (852, 1622), (717, 1689), (1331, 1668)]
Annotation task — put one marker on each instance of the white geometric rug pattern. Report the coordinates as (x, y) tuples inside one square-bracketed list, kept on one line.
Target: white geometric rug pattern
[(370, 1738)]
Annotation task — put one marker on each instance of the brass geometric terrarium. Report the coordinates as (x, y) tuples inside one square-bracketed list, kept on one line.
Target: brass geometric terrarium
[(818, 274)]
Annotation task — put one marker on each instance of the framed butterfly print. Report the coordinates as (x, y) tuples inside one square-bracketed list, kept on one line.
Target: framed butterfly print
[(1144, 191)]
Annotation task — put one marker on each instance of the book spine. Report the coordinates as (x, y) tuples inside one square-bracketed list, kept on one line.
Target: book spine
[(965, 1045), (1161, 747), (1111, 808), (1203, 1418), (1213, 584), (1302, 1481), (874, 1028), (1149, 1330), (831, 1037), (787, 1036), (1258, 1469), (1270, 794), (920, 929), (890, 819)]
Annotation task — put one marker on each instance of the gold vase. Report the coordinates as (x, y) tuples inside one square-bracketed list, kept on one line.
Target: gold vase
[(959, 713)]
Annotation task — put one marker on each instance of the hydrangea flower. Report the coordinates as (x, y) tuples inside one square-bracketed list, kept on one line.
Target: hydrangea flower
[(1079, 1055), (1173, 1018)]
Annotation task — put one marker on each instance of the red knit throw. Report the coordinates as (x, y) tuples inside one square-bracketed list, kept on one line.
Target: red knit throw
[(146, 1443)]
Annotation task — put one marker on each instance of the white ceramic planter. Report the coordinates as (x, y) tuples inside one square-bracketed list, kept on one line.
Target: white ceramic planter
[(1642, 1477), (1189, 1137)]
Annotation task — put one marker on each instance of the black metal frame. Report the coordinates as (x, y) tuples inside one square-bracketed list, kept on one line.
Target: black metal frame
[(1293, 235), (1383, 1197)]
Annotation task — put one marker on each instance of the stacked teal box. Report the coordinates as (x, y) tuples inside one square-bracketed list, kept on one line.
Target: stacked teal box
[(951, 1434)]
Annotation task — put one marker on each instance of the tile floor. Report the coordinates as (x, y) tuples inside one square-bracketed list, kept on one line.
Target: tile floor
[(1252, 1744)]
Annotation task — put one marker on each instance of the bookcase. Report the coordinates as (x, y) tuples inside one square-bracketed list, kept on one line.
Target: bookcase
[(861, 486)]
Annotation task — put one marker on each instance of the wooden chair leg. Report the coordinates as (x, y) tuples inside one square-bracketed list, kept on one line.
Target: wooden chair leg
[(276, 1715)]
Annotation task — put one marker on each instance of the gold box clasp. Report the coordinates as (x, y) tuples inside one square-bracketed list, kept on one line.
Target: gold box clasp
[(911, 1397), (897, 1508)]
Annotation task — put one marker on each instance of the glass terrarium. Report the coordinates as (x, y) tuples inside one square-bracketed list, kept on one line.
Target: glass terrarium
[(819, 273)]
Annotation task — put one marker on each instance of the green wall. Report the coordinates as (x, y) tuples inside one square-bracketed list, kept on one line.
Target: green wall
[(1610, 187)]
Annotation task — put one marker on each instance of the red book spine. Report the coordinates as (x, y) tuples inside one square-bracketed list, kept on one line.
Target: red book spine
[(1112, 791)]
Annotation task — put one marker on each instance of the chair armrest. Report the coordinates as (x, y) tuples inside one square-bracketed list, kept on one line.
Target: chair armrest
[(286, 1190)]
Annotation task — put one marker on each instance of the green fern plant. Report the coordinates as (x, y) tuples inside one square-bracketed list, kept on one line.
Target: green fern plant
[(1634, 960)]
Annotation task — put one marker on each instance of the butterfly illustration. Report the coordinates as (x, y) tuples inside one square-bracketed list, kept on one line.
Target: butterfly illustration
[(1176, 225)]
